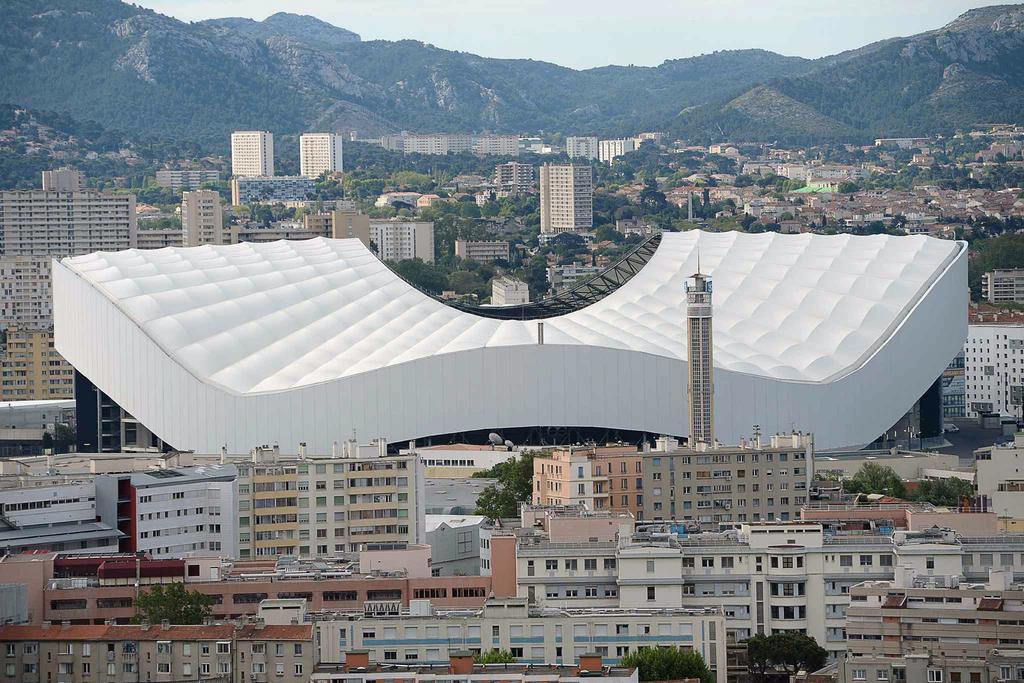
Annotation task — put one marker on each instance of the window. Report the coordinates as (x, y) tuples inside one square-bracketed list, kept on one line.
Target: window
[(297, 649), (650, 594), (550, 565), (298, 669), (590, 565), (259, 668), (859, 674), (846, 560), (650, 566), (935, 676), (882, 675), (223, 647)]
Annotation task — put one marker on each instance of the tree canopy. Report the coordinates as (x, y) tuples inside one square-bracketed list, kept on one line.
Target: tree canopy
[(786, 651), (173, 603), (514, 486), (875, 478), (495, 657), (668, 664)]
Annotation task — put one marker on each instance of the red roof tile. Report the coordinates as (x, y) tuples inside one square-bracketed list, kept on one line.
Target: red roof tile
[(158, 632)]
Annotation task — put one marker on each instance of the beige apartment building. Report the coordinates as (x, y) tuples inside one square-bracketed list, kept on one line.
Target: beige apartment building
[(216, 653), (507, 291), (600, 477), (159, 238), (252, 153), (26, 296), (1003, 285), (48, 223), (63, 179), (202, 219), (566, 198), (717, 488), (483, 251), (31, 369), (936, 628), (322, 505), (319, 153)]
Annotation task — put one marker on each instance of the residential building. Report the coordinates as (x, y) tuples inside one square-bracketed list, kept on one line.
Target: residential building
[(716, 488), (954, 388), (398, 200), (48, 223), (902, 143), (320, 153), (934, 627), (637, 226), (217, 653), (700, 367), (26, 296), (598, 477), (63, 180), (172, 512), (566, 198), (514, 177), (1003, 285), (252, 153), (496, 145), (61, 517), (461, 460), (398, 240), (347, 222), (93, 589), (581, 147), (483, 251), (158, 238), (609, 150), (283, 230), (568, 275), (460, 545), (507, 291), (357, 668), (534, 636), (202, 220), (31, 369), (994, 369), (319, 505), (452, 143), (271, 189), (186, 178), (1000, 483)]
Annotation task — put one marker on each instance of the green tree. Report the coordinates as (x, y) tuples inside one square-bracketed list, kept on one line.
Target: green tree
[(424, 275), (668, 664), (174, 603), (875, 478), (946, 492), (787, 651), (513, 487), (495, 657)]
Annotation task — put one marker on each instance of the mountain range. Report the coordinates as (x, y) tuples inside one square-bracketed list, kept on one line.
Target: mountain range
[(133, 69)]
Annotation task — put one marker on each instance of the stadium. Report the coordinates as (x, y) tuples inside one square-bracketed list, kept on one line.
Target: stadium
[(318, 341)]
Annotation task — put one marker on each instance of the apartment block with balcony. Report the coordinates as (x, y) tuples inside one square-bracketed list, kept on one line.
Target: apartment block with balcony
[(26, 295), (1003, 286), (31, 369), (598, 477), (58, 224), (426, 635), (722, 486), (323, 505)]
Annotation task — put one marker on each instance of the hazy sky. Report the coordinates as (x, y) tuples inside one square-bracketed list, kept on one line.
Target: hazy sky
[(583, 34)]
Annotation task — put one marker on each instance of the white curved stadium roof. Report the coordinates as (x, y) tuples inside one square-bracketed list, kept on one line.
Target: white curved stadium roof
[(290, 321)]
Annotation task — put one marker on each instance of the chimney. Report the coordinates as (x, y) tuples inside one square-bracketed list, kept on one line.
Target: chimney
[(461, 662), (540, 333), (223, 454), (165, 625), (357, 659), (590, 661), (302, 450), (334, 449)]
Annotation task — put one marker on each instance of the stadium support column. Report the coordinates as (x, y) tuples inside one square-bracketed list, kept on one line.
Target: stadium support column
[(700, 361)]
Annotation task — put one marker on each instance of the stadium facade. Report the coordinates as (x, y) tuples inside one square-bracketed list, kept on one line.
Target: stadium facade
[(317, 341)]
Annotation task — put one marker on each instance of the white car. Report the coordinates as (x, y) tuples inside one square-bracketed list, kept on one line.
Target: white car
[(950, 428)]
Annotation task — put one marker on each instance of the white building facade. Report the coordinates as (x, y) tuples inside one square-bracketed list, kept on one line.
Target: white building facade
[(581, 147), (320, 153), (398, 240), (566, 198), (994, 369), (252, 153), (609, 150)]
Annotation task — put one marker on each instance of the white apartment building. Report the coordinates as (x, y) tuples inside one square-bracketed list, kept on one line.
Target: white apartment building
[(507, 291), (323, 505), (202, 220), (26, 296), (483, 251), (496, 145), (176, 511), (47, 223), (514, 177), (999, 476), (566, 198), (608, 150), (581, 147), (1003, 285), (568, 274), (452, 143), (252, 153), (185, 178), (58, 517), (994, 369), (425, 635), (62, 180), (398, 240), (767, 578), (320, 153)]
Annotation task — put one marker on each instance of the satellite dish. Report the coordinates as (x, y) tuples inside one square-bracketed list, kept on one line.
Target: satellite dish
[(494, 438), (509, 445)]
